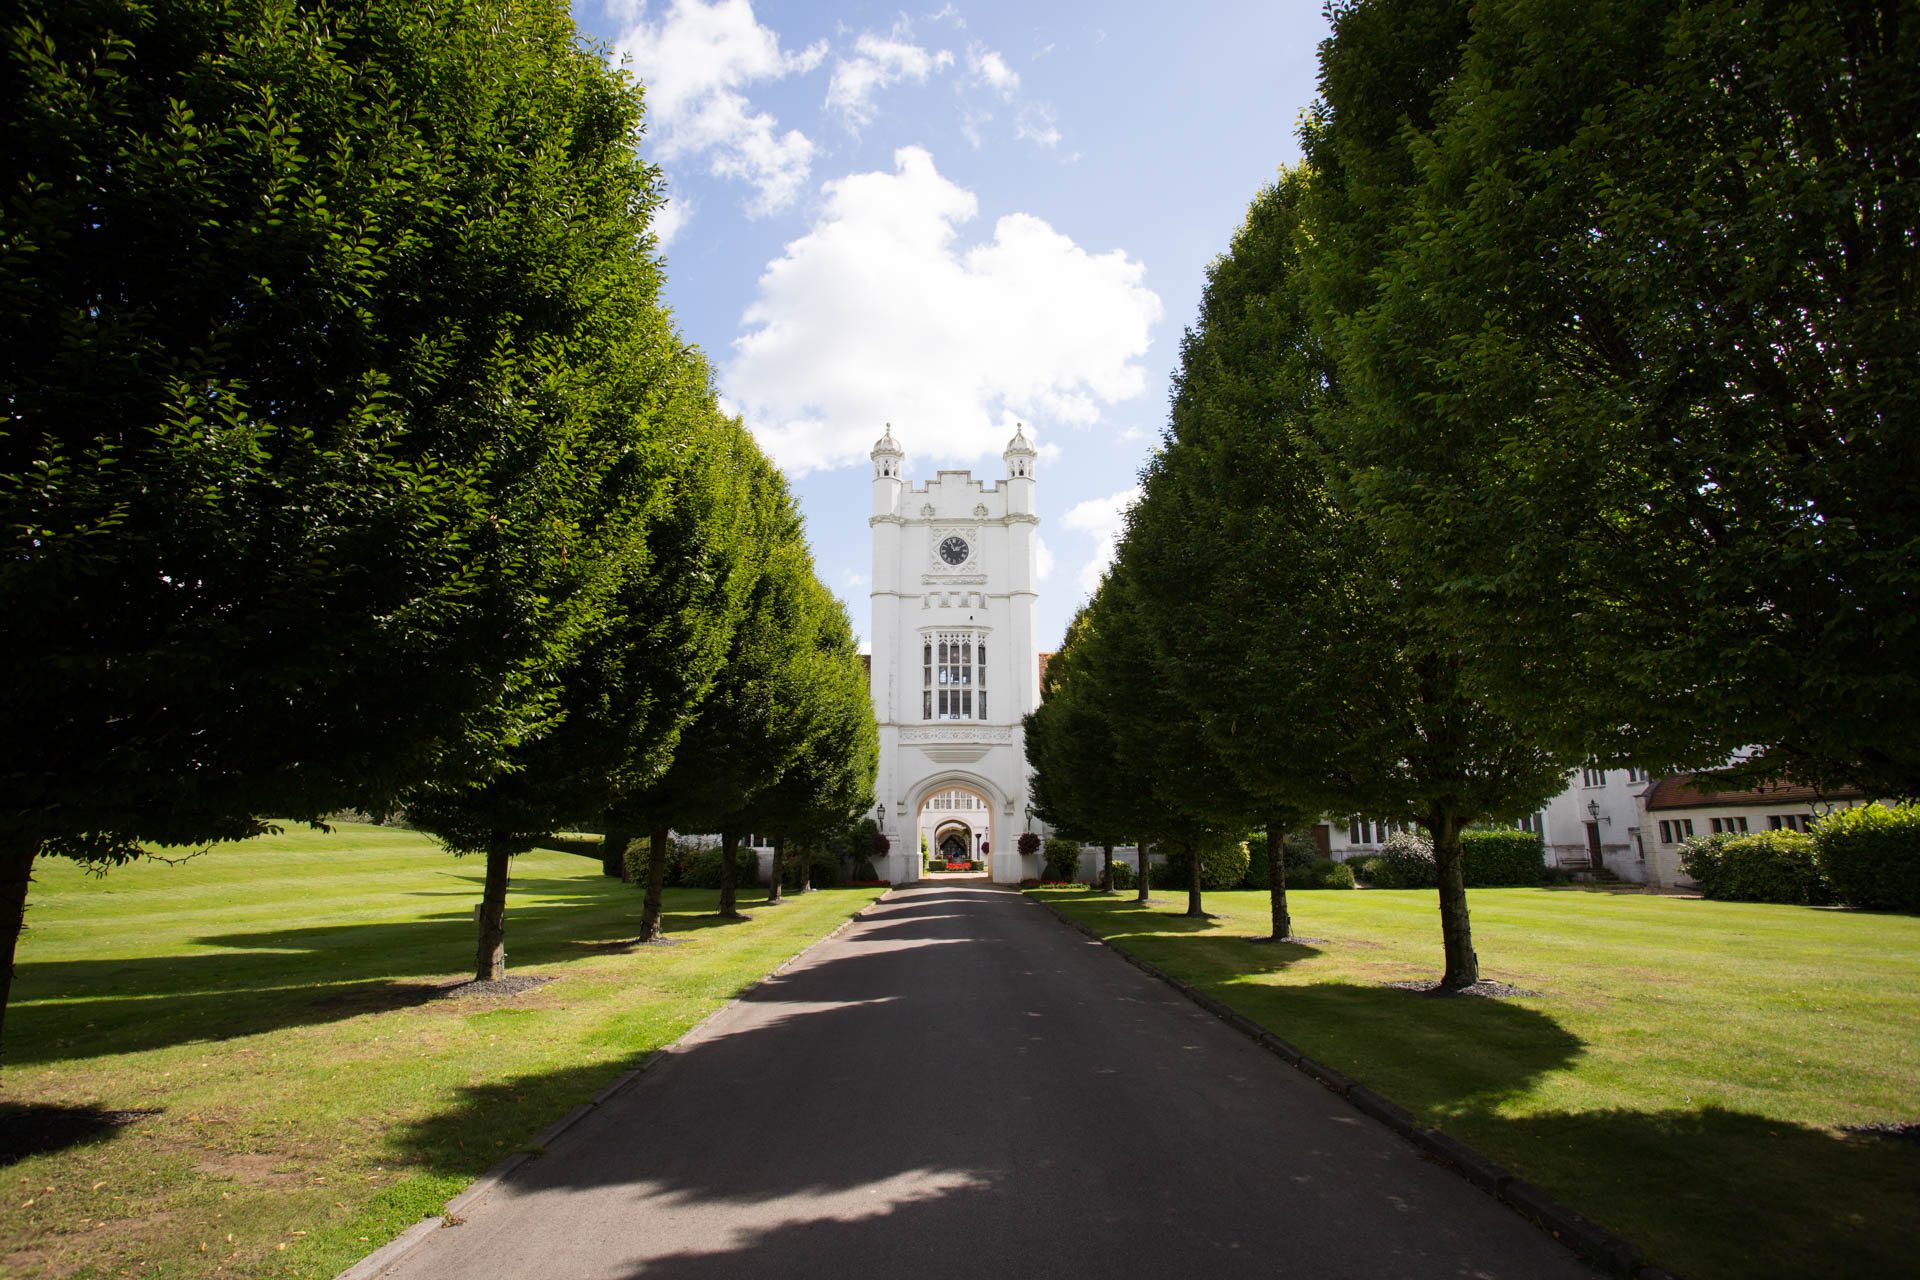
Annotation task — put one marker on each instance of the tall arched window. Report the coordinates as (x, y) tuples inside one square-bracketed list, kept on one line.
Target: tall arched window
[(953, 674)]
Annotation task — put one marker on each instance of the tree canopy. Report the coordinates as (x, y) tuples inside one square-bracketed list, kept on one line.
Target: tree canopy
[(318, 425), (1633, 360)]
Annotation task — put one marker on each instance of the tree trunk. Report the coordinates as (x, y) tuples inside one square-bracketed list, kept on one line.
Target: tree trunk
[(729, 876), (16, 872), (1141, 890), (490, 964), (778, 870), (1456, 931), (1193, 880), (613, 854), (1106, 867), (1277, 882), (806, 868), (656, 884)]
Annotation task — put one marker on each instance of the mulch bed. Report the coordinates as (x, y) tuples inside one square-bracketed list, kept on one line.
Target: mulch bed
[(1905, 1131), (1485, 987), (513, 984)]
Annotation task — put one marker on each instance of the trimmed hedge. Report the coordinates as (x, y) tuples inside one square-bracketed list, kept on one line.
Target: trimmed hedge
[(826, 869), (705, 872), (1122, 874), (1502, 858), (1223, 865), (1319, 874), (1870, 856), (1405, 861), (1495, 859), (1766, 866), (1300, 850), (1062, 858)]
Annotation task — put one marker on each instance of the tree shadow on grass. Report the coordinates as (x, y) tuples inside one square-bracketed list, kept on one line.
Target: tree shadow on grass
[(261, 981), (1715, 1193), (40, 1128)]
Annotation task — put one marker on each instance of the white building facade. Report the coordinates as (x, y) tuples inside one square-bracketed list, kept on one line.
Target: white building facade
[(955, 664)]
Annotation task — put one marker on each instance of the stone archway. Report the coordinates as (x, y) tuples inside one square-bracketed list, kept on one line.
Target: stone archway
[(953, 809)]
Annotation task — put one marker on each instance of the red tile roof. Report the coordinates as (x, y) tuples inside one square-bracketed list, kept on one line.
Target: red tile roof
[(1698, 791)]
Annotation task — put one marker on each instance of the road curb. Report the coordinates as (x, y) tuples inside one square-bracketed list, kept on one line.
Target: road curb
[(371, 1266), (1592, 1242)]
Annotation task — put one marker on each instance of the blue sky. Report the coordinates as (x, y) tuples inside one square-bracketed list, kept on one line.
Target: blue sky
[(953, 218)]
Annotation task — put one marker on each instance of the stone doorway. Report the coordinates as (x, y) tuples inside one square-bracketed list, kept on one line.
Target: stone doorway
[(954, 826)]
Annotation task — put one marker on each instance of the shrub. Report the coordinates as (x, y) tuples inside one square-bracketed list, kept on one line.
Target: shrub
[(1766, 866), (1363, 868), (1223, 865), (1300, 850), (1123, 875), (825, 866), (1405, 861), (1028, 844), (1502, 858), (680, 859), (705, 871), (1062, 858), (1319, 874), (1870, 856)]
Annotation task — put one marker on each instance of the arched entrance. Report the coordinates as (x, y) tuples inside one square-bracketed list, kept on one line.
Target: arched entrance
[(954, 827)]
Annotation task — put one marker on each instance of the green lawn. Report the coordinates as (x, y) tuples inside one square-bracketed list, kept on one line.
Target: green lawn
[(1681, 1078), (279, 1004)]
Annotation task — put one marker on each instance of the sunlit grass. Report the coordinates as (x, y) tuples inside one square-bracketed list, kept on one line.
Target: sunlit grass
[(279, 1005), (1681, 1077)]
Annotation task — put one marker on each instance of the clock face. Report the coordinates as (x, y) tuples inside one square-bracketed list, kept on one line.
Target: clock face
[(954, 550)]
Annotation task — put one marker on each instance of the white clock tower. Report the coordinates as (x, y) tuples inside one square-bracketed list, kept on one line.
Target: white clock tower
[(954, 661)]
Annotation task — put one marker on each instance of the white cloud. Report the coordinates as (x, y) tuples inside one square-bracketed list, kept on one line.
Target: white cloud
[(970, 122), (990, 69), (1035, 125), (671, 218), (877, 314), (695, 61), (1042, 559), (1102, 519), (854, 579), (877, 63)]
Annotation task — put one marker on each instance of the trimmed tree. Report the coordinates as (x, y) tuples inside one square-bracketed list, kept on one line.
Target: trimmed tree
[(1635, 363), (1245, 564), (302, 454), (830, 782), (1076, 789), (1445, 758)]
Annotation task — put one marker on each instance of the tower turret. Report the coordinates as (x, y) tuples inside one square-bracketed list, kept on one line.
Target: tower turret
[(1019, 458), (888, 461)]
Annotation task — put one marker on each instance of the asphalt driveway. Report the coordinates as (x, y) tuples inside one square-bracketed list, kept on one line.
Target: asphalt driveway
[(958, 1086)]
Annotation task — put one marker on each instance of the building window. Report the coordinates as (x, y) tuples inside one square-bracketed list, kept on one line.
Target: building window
[(1729, 826), (1673, 831), (1534, 822), (956, 800), (1790, 822), (1593, 776), (1636, 774), (953, 676), (1366, 831)]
